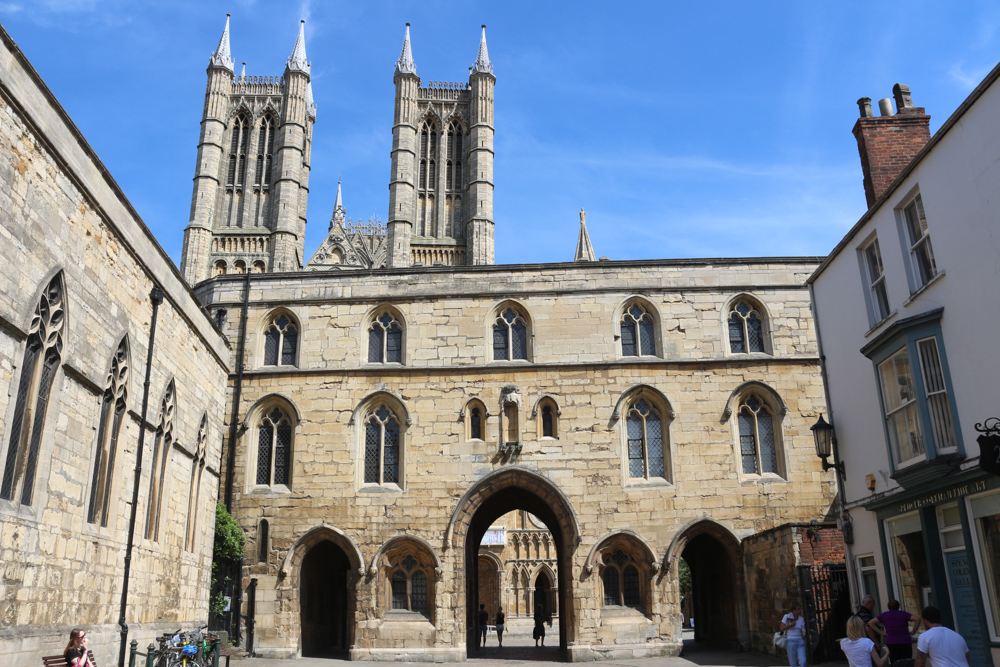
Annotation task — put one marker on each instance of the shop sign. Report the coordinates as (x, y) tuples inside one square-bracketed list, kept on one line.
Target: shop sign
[(989, 445), (942, 496)]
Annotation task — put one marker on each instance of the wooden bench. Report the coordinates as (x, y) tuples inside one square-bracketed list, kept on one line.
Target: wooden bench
[(60, 660)]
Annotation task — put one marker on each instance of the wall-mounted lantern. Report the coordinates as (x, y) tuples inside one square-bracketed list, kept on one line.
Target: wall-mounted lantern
[(824, 437)]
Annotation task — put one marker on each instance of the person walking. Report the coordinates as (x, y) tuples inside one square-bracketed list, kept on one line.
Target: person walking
[(484, 624), (895, 630), (859, 648), (76, 651), (501, 617), (538, 633), (793, 624), (941, 646)]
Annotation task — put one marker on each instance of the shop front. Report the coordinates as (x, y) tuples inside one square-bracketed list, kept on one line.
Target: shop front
[(941, 547)]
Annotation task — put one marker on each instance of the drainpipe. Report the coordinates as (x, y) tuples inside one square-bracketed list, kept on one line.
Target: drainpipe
[(234, 418), (156, 298), (845, 517)]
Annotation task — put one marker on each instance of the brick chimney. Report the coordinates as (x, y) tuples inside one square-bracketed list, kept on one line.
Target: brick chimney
[(888, 143)]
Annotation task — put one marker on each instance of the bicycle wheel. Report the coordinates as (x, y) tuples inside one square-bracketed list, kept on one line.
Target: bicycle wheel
[(182, 661)]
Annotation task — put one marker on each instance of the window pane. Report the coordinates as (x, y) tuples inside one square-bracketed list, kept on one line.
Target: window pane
[(937, 394), (500, 341), (519, 343), (631, 587), (636, 464), (736, 343), (288, 347), (755, 334), (394, 344), (271, 347), (647, 337), (282, 453), (547, 431), (654, 445), (418, 586), (372, 433), (748, 446), (628, 337), (881, 300), (398, 590), (375, 344), (264, 441), (391, 472), (768, 456), (611, 596), (262, 539), (475, 425)]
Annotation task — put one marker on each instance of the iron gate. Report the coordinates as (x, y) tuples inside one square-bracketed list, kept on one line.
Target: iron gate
[(827, 601)]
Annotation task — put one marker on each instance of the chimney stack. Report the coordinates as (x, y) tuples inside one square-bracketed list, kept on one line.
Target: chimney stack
[(888, 143)]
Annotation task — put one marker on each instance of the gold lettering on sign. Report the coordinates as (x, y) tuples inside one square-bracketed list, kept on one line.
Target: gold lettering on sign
[(942, 496)]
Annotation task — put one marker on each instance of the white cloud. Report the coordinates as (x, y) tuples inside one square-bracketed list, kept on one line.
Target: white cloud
[(967, 78)]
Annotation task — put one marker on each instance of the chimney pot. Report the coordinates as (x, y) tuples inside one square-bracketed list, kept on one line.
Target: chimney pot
[(903, 98), (885, 107), (865, 106)]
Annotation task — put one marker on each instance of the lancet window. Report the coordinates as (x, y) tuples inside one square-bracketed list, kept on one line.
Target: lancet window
[(113, 405), (427, 183), (238, 149), (510, 336), (746, 328), (42, 355), (385, 339), (382, 447), (281, 341), (162, 444), (274, 448), (757, 432), (265, 149), (645, 441), (194, 488), (638, 332)]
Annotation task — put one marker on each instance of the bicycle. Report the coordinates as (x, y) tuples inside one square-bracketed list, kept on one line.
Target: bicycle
[(182, 649)]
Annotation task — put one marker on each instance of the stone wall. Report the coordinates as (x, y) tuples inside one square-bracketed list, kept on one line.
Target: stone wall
[(63, 217), (771, 558), (574, 358)]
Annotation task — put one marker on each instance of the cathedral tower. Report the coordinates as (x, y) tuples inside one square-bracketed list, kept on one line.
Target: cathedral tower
[(251, 183), (441, 184)]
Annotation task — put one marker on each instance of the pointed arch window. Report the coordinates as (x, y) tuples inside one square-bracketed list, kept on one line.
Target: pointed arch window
[(622, 581), (281, 341), (274, 448), (265, 149), (453, 179), (746, 328), (162, 444), (475, 419), (510, 336), (382, 447), (263, 536), (42, 356), (638, 332), (408, 584), (547, 413), (238, 149), (758, 439), (645, 441), (385, 339), (113, 405), (194, 488)]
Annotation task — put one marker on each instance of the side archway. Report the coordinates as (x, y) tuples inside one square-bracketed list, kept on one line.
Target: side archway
[(715, 557)]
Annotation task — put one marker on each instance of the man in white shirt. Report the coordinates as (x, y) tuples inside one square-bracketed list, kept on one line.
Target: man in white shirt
[(939, 646)]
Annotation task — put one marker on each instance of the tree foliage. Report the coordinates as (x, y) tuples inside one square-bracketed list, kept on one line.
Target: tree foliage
[(684, 576), (228, 547)]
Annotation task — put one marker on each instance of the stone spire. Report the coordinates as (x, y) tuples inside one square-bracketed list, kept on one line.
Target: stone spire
[(483, 64), (339, 204), (405, 64), (243, 73), (339, 213), (584, 250), (297, 61), (222, 57)]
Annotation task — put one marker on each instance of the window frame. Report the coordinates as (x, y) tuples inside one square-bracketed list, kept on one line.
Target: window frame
[(267, 414), (623, 314), (662, 408), (271, 320), (914, 273), (874, 286), (907, 334), (496, 316), (399, 416), (543, 404), (607, 563), (374, 320), (255, 417), (475, 403), (862, 570), (757, 306), (766, 403)]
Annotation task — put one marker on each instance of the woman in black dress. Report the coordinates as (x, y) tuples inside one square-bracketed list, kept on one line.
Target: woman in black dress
[(539, 632)]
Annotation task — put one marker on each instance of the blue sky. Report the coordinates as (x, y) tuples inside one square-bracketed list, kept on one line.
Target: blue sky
[(695, 129)]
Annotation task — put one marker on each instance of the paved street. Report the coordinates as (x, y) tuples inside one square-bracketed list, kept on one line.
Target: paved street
[(521, 650)]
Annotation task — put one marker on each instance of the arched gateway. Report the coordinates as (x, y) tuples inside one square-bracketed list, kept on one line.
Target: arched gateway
[(492, 497)]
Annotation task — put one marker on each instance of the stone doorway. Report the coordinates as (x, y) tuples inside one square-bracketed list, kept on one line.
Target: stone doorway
[(498, 493), (324, 601), (543, 597), (718, 592)]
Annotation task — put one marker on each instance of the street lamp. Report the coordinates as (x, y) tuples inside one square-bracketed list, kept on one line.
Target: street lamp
[(824, 437)]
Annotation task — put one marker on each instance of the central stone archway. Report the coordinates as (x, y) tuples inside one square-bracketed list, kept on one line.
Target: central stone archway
[(490, 498)]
